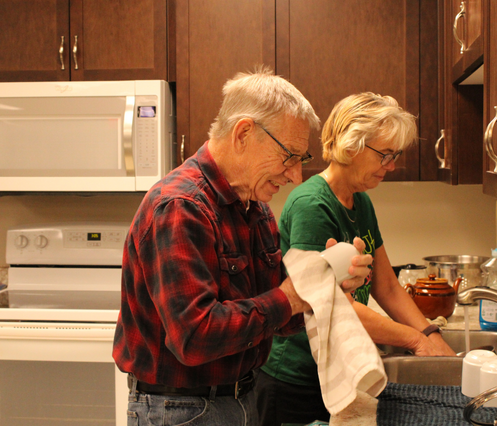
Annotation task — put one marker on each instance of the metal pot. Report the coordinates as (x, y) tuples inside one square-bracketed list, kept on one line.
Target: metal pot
[(452, 267)]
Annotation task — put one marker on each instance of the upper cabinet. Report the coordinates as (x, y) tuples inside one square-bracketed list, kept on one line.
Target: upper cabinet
[(490, 105), (459, 148), (83, 40), (465, 22), (214, 41), (327, 49), (332, 49)]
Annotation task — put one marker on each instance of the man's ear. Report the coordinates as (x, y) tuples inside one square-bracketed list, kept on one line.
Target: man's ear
[(241, 132)]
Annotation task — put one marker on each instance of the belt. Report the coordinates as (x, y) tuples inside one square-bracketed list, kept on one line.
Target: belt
[(238, 389)]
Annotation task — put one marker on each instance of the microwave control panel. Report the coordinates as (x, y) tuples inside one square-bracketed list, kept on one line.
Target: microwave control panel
[(147, 141)]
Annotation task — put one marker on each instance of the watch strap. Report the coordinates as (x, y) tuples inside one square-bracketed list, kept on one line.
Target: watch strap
[(432, 328)]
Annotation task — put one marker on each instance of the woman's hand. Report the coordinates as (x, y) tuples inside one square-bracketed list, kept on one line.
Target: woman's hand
[(359, 266), (433, 345)]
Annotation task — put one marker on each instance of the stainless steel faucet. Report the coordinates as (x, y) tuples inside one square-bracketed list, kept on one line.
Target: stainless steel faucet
[(472, 294)]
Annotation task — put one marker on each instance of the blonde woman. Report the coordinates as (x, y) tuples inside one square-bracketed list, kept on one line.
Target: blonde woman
[(362, 139)]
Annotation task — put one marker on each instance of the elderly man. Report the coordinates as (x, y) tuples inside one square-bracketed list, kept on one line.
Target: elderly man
[(204, 288)]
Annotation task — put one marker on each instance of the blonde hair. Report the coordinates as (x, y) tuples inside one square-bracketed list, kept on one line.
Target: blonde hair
[(264, 98), (358, 119)]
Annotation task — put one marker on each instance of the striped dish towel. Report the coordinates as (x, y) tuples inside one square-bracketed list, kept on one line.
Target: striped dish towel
[(346, 357)]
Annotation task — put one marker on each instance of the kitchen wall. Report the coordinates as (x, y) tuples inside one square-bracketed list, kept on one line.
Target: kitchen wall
[(416, 219), (419, 219)]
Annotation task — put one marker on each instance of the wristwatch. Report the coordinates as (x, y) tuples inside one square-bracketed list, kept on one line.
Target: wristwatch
[(432, 328)]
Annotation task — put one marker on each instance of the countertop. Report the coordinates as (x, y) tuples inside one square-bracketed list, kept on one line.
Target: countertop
[(456, 320)]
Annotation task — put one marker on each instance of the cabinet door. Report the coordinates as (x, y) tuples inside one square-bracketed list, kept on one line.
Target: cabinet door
[(118, 39), (461, 106), (83, 40), (215, 40), (34, 37), (490, 111), (331, 48), (466, 21)]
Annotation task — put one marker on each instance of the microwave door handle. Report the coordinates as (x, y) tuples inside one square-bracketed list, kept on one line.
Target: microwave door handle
[(128, 136)]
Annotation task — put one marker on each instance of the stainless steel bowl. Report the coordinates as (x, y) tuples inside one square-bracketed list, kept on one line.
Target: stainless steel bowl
[(451, 267)]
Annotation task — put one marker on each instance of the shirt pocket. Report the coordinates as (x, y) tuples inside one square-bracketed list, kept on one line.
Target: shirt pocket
[(271, 257), (268, 269), (235, 281)]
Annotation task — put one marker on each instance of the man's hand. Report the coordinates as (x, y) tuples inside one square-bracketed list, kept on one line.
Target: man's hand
[(359, 265), (298, 305)]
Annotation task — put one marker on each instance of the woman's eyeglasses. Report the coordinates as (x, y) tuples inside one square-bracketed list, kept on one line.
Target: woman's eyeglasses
[(387, 158)]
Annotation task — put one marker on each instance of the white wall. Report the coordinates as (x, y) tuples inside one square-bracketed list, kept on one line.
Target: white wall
[(419, 219), (416, 219)]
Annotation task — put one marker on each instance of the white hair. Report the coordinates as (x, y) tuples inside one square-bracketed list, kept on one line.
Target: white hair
[(361, 118), (263, 97)]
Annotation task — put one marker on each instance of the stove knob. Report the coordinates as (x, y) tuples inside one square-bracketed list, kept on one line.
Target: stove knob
[(21, 241), (41, 241)]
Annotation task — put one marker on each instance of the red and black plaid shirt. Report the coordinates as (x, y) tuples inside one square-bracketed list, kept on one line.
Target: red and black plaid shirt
[(200, 302)]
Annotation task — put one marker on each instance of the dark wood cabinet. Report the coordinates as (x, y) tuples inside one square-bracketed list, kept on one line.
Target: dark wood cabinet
[(214, 41), (459, 148), (327, 49), (490, 104), (83, 40), (331, 49), (31, 35), (465, 22)]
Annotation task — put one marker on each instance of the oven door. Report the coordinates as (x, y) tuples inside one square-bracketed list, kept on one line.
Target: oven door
[(60, 373)]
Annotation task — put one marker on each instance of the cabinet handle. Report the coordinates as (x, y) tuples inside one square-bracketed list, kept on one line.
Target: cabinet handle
[(75, 52), (487, 140), (461, 14), (440, 159), (61, 53), (182, 152)]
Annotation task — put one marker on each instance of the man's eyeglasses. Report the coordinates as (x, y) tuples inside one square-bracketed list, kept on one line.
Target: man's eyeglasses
[(387, 158), (292, 158)]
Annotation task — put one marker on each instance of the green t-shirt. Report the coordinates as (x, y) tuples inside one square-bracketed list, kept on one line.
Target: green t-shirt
[(312, 214)]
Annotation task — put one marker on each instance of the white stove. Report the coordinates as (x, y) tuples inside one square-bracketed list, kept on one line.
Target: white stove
[(57, 319), (69, 272)]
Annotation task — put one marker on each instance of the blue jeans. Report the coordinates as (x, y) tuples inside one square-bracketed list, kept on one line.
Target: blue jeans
[(158, 410)]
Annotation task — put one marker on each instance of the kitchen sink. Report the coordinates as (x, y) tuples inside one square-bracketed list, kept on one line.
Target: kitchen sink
[(405, 368), (436, 371)]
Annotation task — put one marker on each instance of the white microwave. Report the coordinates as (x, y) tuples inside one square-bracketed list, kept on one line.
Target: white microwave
[(98, 136)]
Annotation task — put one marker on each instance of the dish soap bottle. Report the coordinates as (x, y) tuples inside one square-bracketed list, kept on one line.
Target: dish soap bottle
[(488, 309)]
